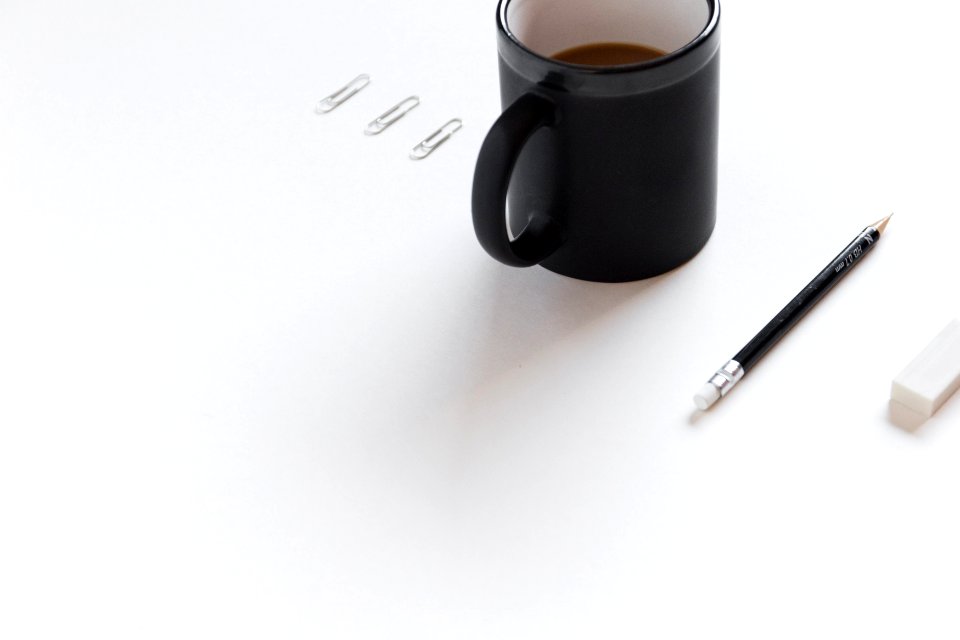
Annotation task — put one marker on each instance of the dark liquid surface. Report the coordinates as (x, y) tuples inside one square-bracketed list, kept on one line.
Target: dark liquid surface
[(608, 54)]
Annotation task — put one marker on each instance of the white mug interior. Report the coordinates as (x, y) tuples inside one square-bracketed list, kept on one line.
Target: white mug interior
[(548, 27)]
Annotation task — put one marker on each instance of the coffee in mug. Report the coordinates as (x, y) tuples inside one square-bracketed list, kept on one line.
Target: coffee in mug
[(608, 54)]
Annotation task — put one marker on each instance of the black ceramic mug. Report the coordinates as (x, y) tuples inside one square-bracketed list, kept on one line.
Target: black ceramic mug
[(612, 171)]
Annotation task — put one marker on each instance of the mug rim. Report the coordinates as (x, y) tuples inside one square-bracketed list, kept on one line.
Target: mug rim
[(593, 70)]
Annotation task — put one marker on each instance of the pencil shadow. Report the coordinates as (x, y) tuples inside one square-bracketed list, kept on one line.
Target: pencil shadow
[(695, 417)]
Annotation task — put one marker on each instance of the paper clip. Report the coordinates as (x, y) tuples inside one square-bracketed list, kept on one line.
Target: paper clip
[(436, 139), (391, 116), (336, 99)]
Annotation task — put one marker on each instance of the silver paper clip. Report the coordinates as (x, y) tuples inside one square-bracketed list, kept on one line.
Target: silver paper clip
[(391, 116), (436, 139), (337, 98)]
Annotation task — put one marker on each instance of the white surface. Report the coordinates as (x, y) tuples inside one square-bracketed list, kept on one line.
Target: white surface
[(933, 376), (257, 378)]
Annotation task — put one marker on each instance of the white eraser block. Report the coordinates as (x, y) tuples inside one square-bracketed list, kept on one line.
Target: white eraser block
[(933, 376)]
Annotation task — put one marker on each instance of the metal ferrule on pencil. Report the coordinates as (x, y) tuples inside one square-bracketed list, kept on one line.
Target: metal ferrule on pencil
[(719, 385), (727, 376)]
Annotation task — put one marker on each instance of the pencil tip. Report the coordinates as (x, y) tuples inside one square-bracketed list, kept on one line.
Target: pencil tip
[(880, 225)]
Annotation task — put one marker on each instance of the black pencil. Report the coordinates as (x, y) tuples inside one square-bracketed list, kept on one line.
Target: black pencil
[(731, 373)]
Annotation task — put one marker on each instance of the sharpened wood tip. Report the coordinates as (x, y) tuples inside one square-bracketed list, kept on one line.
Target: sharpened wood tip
[(880, 225)]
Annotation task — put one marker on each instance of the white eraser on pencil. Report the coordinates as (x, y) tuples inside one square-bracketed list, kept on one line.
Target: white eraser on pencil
[(706, 397), (933, 376)]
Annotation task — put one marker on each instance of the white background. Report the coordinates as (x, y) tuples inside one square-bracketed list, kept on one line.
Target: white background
[(258, 379)]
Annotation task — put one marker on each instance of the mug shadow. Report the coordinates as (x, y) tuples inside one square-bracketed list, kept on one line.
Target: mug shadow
[(520, 313)]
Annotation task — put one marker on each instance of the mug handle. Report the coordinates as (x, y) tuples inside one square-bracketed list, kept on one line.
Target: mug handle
[(543, 235)]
